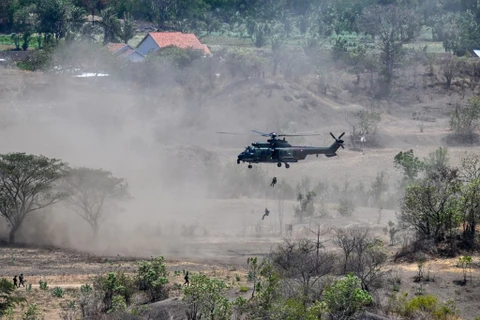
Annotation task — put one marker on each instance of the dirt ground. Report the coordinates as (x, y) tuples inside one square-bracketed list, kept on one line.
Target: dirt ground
[(70, 270), (69, 123)]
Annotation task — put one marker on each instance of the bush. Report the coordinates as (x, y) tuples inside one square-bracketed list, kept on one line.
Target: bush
[(113, 284), (37, 60), (243, 289), (118, 304), (7, 301), (43, 285), (32, 313), (152, 277), (345, 298), (58, 292), (205, 298), (89, 301), (429, 307)]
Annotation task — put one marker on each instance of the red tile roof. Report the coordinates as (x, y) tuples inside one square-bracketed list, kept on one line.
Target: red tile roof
[(114, 47), (178, 39)]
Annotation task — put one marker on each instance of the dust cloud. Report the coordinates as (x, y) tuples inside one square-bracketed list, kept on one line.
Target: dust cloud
[(164, 143)]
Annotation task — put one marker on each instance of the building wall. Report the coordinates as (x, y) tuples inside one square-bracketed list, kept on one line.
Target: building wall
[(147, 46), (135, 57)]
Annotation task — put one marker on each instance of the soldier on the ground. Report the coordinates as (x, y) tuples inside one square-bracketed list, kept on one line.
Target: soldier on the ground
[(186, 279), (21, 281), (15, 281)]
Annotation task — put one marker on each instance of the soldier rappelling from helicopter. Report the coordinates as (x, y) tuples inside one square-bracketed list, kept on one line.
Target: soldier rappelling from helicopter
[(274, 182), (266, 213)]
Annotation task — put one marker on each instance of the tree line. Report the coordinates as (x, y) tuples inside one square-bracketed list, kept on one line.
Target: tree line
[(454, 22), (30, 183)]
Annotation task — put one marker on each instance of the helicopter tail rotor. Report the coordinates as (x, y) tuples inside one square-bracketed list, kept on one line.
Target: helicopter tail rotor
[(339, 140)]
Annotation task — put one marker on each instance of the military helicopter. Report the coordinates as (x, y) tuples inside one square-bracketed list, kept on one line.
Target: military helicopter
[(280, 151)]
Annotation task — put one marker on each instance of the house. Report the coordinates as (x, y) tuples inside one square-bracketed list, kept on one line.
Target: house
[(154, 41), (125, 51)]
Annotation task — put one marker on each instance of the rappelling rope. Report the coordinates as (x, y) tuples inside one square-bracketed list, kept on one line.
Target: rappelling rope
[(266, 190)]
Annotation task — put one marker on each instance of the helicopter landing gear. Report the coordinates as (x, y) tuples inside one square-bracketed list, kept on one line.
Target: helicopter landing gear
[(238, 161), (249, 166), (279, 164), (287, 165)]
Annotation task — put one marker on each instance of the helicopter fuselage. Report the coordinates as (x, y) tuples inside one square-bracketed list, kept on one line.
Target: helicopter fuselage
[(279, 151)]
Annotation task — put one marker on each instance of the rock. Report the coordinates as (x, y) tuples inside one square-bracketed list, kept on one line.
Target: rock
[(287, 98)]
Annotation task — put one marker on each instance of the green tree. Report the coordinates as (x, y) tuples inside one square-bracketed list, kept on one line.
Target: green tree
[(128, 29), (26, 185), (76, 21), (261, 34), (429, 205), (24, 25), (90, 190), (52, 16), (345, 298), (394, 26), (112, 28), (266, 287), (205, 298), (152, 277), (460, 32), (465, 263), (7, 300), (407, 162)]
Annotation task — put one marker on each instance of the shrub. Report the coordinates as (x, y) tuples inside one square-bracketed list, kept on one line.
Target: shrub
[(118, 303), (243, 289), (32, 313), (114, 283), (58, 292), (346, 297), (43, 285), (205, 298), (89, 301), (152, 277), (7, 301), (428, 304)]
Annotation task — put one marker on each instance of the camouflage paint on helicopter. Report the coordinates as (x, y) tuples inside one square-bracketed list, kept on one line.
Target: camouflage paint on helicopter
[(280, 151)]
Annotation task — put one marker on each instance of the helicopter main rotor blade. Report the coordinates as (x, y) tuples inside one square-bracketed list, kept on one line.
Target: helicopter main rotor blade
[(262, 133), (333, 136), (299, 134), (233, 133), (340, 137)]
